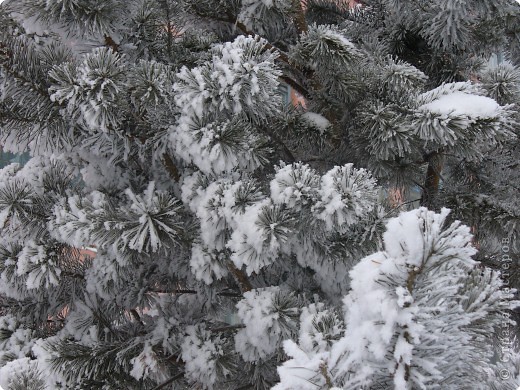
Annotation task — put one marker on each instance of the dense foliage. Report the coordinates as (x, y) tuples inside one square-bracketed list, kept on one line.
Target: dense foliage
[(247, 242)]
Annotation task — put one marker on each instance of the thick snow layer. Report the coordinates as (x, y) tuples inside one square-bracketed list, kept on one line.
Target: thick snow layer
[(461, 103)]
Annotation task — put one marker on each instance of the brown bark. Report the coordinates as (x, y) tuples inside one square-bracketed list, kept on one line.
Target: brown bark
[(240, 277), (299, 17), (410, 283), (171, 167), (109, 42), (432, 180)]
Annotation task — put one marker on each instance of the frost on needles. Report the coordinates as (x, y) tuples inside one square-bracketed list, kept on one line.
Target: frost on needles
[(415, 308), (237, 195)]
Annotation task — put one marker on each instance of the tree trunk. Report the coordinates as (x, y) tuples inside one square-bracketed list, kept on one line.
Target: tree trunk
[(432, 180)]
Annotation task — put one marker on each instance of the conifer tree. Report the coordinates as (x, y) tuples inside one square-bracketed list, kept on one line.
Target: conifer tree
[(243, 242)]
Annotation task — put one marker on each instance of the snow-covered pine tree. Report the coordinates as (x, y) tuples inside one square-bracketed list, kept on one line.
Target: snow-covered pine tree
[(414, 309), (227, 222)]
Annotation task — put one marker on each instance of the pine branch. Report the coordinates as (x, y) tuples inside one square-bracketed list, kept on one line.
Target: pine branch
[(410, 283), (180, 291), (30, 82), (188, 291), (325, 373), (289, 157), (73, 275), (169, 381), (296, 86), (227, 328), (281, 54)]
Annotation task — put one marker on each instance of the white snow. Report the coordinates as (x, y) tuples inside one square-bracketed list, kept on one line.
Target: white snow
[(262, 333), (389, 323), (145, 364), (206, 265), (200, 351), (316, 120), (347, 195), (462, 103), (295, 185)]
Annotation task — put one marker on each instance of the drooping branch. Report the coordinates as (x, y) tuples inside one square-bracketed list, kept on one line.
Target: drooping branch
[(229, 294)]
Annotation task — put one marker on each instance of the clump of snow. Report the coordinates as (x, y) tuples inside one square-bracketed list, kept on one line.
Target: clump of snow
[(146, 223), (457, 111), (16, 367), (99, 173), (252, 244), (39, 267), (378, 320), (145, 364), (92, 91), (463, 104), (263, 332), (303, 371), (213, 213), (227, 227), (347, 195), (236, 217), (102, 276), (200, 352), (316, 120), (242, 78), (295, 185), (207, 265), (319, 329), (19, 342), (205, 146), (71, 223)]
